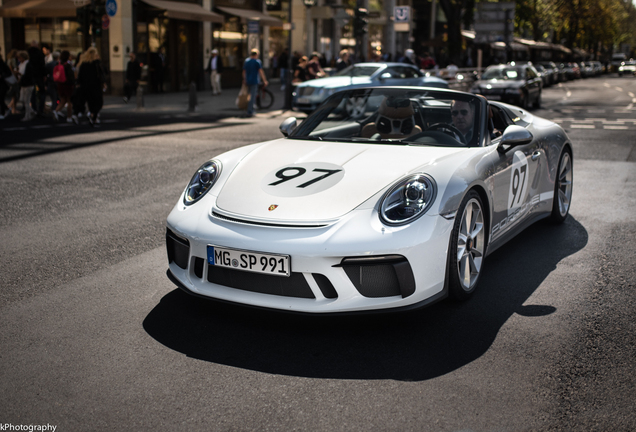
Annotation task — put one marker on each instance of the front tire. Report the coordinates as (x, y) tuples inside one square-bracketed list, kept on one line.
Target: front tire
[(468, 248), (562, 189)]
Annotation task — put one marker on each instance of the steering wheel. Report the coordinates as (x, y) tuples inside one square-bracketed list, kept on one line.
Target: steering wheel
[(448, 129)]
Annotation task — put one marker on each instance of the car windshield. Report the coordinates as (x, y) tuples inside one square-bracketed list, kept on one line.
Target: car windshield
[(399, 116), (357, 71), (502, 73)]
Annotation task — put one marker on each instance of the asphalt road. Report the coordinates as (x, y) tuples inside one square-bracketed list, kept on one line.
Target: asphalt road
[(93, 336)]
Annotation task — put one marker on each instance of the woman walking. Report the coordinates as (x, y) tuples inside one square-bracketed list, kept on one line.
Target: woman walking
[(27, 83), (64, 77), (90, 83)]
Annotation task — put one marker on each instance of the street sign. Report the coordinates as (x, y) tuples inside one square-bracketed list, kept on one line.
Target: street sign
[(402, 14), (494, 22), (252, 27), (111, 7)]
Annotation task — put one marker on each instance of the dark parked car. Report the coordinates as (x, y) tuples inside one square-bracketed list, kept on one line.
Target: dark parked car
[(515, 84), (552, 71)]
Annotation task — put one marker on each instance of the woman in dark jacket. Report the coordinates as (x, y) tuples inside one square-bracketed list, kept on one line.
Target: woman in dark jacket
[(90, 83), (27, 83), (65, 88)]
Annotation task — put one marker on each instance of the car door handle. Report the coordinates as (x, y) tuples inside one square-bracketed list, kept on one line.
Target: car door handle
[(536, 155)]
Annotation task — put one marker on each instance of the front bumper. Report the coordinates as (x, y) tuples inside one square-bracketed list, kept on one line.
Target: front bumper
[(355, 264)]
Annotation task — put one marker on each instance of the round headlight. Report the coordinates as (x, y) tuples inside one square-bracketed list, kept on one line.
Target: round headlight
[(202, 181), (408, 199)]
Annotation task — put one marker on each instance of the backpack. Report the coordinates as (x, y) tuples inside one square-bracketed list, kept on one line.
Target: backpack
[(59, 76)]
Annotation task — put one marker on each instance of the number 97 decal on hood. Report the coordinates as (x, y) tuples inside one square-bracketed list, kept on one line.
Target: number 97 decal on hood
[(302, 179)]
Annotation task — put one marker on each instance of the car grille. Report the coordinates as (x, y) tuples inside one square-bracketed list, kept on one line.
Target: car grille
[(494, 91), (294, 286), (305, 91)]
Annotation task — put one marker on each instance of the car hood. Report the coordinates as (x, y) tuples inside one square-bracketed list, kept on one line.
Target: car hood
[(499, 83), (336, 81), (306, 181)]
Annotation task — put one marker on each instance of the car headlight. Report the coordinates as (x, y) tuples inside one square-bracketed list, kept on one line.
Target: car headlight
[(408, 199), (202, 181)]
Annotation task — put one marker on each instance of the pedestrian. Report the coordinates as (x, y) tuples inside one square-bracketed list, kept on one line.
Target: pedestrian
[(49, 83), (27, 83), (6, 76), (215, 68), (77, 99), (408, 57), (64, 78), (252, 71), (300, 71), (14, 84), (90, 83), (314, 70), (427, 61), (36, 60), (343, 60), (283, 64), (133, 76)]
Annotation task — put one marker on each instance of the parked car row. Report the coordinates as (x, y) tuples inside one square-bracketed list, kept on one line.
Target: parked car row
[(553, 73)]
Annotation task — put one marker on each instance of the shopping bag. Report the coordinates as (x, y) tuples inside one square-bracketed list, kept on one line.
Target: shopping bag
[(243, 98)]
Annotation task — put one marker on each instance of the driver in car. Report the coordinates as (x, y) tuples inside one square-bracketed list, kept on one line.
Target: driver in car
[(396, 120), (463, 117)]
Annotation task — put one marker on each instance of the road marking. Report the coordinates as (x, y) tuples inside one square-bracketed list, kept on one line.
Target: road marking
[(615, 127), (607, 85), (582, 126), (619, 89), (631, 95)]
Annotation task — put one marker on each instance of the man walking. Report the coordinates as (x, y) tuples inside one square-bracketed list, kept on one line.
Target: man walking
[(252, 70), (215, 67), (133, 75)]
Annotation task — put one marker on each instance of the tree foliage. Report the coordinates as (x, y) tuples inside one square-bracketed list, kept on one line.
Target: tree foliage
[(589, 24)]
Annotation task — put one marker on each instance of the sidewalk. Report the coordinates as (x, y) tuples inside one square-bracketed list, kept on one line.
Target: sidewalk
[(223, 105)]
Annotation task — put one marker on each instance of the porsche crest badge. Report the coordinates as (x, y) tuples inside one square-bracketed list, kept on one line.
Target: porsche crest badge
[(272, 207)]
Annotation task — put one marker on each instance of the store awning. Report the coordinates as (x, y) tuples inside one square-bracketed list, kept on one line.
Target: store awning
[(41, 8), (252, 15), (185, 11)]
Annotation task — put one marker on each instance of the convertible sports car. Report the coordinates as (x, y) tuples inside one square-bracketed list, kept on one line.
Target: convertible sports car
[(394, 209)]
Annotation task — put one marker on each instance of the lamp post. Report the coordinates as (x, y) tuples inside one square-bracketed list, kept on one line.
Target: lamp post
[(290, 72)]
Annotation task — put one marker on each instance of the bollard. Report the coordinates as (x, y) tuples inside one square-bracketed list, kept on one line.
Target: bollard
[(192, 99), (140, 97)]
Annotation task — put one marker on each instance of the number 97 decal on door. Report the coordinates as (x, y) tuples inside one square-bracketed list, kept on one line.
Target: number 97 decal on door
[(518, 181), (302, 179)]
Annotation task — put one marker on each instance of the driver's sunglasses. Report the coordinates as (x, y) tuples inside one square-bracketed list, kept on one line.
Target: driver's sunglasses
[(463, 112)]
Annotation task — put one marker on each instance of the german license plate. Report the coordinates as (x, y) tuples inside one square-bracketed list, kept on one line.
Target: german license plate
[(302, 100), (257, 262)]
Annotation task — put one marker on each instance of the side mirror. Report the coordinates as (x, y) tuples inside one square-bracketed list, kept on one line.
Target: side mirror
[(513, 136), (385, 75), (288, 125)]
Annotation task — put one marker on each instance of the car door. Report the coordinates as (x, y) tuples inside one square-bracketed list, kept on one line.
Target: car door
[(515, 185), (533, 82)]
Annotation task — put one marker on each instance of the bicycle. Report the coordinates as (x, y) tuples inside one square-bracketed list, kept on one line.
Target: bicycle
[(264, 97)]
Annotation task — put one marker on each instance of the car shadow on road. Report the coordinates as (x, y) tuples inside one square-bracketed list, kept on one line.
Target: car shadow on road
[(411, 346)]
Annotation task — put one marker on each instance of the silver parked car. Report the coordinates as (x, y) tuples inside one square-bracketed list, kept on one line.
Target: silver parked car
[(309, 94)]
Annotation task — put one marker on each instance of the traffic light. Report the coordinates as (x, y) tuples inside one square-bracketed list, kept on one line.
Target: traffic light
[(360, 22), (97, 11)]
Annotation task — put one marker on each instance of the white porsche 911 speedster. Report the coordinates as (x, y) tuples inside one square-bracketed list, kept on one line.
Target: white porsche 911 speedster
[(392, 207)]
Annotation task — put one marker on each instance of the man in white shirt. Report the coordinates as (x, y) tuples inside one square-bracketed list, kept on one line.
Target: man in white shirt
[(215, 67)]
